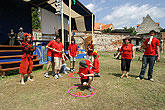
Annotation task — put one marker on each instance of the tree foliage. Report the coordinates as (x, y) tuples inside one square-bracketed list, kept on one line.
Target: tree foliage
[(131, 30), (36, 24), (162, 30), (107, 30)]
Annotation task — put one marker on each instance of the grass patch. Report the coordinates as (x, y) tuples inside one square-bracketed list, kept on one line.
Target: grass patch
[(113, 93)]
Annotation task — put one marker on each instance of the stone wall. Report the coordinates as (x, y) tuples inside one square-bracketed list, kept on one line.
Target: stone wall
[(102, 42)]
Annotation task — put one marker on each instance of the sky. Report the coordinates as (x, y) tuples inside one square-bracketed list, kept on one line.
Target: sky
[(126, 13)]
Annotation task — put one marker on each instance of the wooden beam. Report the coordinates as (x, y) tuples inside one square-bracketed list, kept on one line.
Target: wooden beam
[(92, 27), (62, 22), (70, 19)]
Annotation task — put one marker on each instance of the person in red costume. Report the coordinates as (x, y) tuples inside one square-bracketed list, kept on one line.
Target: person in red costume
[(90, 49), (95, 67), (26, 65)]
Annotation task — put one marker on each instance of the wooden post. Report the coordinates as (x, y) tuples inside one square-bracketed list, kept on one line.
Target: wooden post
[(92, 27), (62, 22), (70, 19), (2, 73)]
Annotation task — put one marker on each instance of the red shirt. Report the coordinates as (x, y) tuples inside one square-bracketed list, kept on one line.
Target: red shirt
[(85, 71), (88, 63), (127, 51), (59, 47), (52, 45), (151, 50), (90, 52), (96, 64), (73, 49)]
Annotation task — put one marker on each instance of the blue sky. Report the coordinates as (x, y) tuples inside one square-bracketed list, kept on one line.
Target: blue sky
[(122, 13)]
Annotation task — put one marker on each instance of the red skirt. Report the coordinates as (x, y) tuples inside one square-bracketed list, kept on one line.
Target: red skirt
[(26, 65)]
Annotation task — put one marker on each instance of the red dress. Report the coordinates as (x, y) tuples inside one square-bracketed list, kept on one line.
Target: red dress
[(26, 65)]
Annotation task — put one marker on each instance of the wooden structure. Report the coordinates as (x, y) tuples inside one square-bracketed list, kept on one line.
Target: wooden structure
[(10, 58)]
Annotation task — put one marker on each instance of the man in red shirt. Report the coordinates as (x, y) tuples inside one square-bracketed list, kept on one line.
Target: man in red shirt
[(95, 67), (86, 75), (90, 49), (73, 47), (50, 57), (151, 46), (58, 52)]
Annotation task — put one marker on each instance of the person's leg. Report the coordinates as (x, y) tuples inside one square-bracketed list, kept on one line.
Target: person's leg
[(56, 67), (144, 66), (22, 79), (59, 66), (128, 63), (73, 65), (123, 66), (90, 81), (53, 66), (30, 69), (48, 66), (151, 66)]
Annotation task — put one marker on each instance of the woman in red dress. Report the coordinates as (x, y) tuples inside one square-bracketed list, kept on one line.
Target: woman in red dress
[(26, 65)]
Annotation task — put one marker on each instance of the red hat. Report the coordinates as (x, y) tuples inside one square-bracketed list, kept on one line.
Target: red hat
[(94, 53)]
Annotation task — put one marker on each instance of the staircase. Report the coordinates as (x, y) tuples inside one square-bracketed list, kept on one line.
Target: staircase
[(10, 58)]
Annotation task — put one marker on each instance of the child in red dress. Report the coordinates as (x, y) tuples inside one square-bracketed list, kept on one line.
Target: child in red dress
[(26, 65)]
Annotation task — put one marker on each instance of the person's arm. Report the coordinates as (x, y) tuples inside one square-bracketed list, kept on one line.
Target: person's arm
[(57, 51), (118, 54), (158, 52), (49, 47), (133, 54)]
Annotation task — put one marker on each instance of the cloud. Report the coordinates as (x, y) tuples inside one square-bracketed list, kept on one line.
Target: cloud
[(94, 8), (130, 15)]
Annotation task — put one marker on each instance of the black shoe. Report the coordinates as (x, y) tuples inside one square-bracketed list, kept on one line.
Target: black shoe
[(96, 75), (89, 89)]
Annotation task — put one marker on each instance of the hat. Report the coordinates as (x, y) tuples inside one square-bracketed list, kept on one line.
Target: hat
[(95, 54), (20, 28), (83, 63), (152, 31)]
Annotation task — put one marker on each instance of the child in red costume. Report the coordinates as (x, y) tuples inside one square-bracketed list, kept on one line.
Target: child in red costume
[(95, 67), (26, 65), (86, 75)]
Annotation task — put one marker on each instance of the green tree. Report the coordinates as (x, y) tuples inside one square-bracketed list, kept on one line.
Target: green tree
[(36, 24), (162, 30), (107, 30), (131, 30)]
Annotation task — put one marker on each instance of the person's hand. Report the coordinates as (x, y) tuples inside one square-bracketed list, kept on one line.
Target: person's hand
[(133, 58), (158, 59), (82, 75)]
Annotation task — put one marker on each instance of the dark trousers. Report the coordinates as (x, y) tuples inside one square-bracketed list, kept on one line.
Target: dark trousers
[(125, 64), (147, 59)]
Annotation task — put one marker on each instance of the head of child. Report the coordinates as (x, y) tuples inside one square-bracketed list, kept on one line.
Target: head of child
[(58, 39), (82, 64), (152, 33), (73, 41), (90, 41), (95, 55), (28, 38)]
